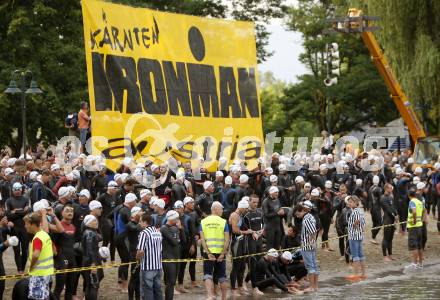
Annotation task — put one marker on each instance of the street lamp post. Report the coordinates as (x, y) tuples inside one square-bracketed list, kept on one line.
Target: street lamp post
[(14, 89)]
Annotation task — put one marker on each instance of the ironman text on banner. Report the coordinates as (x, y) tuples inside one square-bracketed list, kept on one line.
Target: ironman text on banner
[(165, 85)]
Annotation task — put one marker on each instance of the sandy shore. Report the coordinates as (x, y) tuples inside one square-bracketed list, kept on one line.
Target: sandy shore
[(330, 264)]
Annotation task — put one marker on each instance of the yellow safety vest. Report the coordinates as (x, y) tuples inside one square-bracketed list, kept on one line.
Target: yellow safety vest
[(419, 213), (213, 228), (44, 265)]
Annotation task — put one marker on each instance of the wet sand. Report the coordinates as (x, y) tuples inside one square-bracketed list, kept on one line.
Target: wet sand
[(332, 269)]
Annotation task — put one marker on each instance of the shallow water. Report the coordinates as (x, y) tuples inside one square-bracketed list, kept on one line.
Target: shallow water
[(420, 284), (390, 284)]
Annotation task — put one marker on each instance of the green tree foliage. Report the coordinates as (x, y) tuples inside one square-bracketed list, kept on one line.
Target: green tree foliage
[(359, 97), (410, 38), (272, 94), (46, 36)]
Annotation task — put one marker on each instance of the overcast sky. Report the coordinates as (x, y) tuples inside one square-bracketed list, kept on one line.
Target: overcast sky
[(286, 46)]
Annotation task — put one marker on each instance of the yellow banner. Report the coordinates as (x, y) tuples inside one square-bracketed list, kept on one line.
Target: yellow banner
[(165, 85)]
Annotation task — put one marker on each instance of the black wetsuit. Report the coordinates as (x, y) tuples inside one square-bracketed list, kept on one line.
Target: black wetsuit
[(121, 216), (65, 259), (266, 276), (21, 250), (238, 248), (106, 224), (90, 245), (178, 192), (189, 222), (203, 204), (389, 216), (3, 232), (170, 250), (133, 230), (254, 220), (375, 194), (228, 197), (272, 222)]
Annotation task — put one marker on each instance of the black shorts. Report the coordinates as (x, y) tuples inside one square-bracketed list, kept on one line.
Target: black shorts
[(415, 238)]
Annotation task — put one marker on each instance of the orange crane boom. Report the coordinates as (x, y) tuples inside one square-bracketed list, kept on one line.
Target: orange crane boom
[(402, 103), (356, 22)]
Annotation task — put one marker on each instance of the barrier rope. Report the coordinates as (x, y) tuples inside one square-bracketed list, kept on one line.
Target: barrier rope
[(201, 259)]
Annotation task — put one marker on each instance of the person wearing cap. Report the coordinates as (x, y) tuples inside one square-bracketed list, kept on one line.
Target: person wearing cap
[(133, 230), (178, 190), (265, 272), (292, 243), (298, 189), (95, 209), (144, 203), (239, 235), (415, 236), (368, 179), (214, 236), (331, 166), (305, 193), (228, 197), (265, 179), (356, 228), (253, 219), (309, 233), (65, 241), (420, 194), (243, 189), (171, 250), (435, 193), (282, 269), (121, 217), (284, 178), (205, 200), (341, 221), (6, 184), (389, 217), (108, 203), (31, 179), (4, 244), (185, 244), (126, 188), (218, 185), (83, 200), (272, 212), (91, 257), (402, 184), (342, 175), (81, 211), (190, 224), (360, 192), (282, 196), (17, 207), (409, 165), (375, 193), (55, 171), (41, 264), (99, 182), (159, 215), (325, 208)]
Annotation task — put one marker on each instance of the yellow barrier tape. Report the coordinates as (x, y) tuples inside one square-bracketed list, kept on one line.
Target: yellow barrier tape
[(201, 259)]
